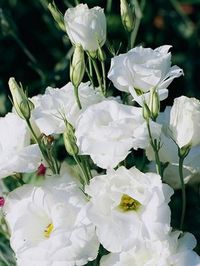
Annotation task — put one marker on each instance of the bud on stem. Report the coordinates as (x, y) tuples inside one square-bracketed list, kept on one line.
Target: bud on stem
[(77, 68), (57, 15), (127, 16), (154, 104), (146, 112), (21, 103), (70, 140)]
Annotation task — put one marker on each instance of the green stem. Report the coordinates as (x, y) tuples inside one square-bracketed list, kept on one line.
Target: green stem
[(156, 152), (98, 75), (104, 76), (90, 72), (77, 97), (82, 170), (181, 159), (76, 2), (90, 66), (138, 10), (23, 47), (108, 6)]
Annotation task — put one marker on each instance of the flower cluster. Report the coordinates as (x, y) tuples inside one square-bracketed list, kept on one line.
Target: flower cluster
[(69, 212)]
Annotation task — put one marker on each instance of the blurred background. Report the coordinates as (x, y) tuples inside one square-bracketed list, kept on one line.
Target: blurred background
[(37, 53)]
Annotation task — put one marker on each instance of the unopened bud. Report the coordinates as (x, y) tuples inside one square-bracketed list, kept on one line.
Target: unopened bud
[(57, 15), (77, 68), (146, 112), (21, 103), (155, 107), (127, 15), (70, 140), (101, 55)]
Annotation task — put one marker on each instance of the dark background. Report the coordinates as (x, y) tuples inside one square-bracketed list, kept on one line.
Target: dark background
[(37, 53)]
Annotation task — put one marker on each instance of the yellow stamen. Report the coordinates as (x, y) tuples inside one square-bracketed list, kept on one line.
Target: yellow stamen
[(129, 204), (48, 230)]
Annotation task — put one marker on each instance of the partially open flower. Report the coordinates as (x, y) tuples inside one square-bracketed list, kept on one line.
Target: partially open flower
[(86, 27), (56, 103), (142, 69)]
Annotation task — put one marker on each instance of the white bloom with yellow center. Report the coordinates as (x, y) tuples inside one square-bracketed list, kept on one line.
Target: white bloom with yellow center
[(16, 153), (48, 224), (56, 103), (172, 251), (128, 206)]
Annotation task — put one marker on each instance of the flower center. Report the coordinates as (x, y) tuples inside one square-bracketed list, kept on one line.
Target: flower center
[(128, 204), (48, 230)]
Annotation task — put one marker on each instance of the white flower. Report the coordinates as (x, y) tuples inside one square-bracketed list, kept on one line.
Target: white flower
[(142, 69), (50, 107), (48, 224), (185, 121), (168, 153), (127, 207), (108, 130), (86, 27), (171, 251), (16, 153)]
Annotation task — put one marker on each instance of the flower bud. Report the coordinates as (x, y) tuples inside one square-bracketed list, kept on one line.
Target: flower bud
[(126, 16), (101, 55), (154, 104), (70, 140), (77, 68), (21, 103), (57, 15), (146, 112)]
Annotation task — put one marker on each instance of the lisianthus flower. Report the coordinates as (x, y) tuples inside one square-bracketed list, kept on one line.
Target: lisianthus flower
[(108, 130), (185, 122), (172, 251), (142, 69), (17, 155), (168, 153), (128, 206), (48, 224), (56, 103), (86, 27)]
